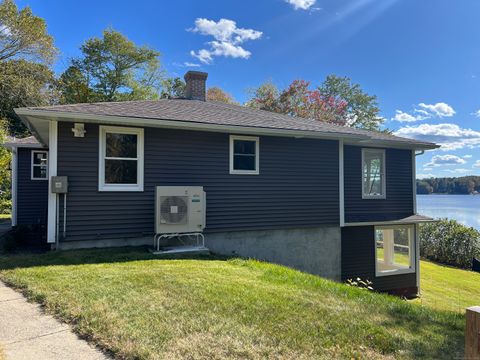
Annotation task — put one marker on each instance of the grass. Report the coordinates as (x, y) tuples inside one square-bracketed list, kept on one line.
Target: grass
[(5, 216), (448, 288), (138, 306)]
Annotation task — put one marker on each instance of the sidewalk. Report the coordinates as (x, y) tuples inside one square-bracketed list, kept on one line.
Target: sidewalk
[(27, 333)]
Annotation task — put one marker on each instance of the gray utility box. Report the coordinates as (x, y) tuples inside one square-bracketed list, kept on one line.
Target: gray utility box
[(59, 184)]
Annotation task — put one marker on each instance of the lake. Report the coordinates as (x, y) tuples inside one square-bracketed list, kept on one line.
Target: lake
[(463, 208)]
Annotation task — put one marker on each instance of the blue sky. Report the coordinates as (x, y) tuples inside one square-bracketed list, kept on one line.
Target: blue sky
[(421, 58)]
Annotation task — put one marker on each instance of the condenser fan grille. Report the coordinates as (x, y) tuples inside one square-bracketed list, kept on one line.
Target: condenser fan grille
[(173, 209)]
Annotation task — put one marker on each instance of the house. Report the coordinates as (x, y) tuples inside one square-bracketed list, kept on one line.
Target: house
[(330, 200)]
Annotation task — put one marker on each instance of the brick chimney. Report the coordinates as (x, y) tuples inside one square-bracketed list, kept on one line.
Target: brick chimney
[(196, 84)]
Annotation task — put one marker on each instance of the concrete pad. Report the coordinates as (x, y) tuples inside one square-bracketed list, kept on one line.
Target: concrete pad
[(27, 333)]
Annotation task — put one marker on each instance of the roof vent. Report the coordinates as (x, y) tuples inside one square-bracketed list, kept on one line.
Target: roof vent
[(196, 84)]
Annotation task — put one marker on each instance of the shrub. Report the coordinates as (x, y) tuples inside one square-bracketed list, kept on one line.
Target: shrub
[(449, 242), (5, 206)]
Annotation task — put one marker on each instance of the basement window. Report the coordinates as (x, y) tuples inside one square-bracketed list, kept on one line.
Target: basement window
[(244, 155), (373, 174), (120, 159), (39, 165), (394, 249)]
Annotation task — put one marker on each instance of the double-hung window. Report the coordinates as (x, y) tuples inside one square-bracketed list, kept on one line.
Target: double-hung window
[(244, 155), (120, 159), (394, 249), (39, 165), (373, 174)]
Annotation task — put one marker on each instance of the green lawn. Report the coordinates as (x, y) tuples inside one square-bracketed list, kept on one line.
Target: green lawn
[(138, 306), (448, 288), (5, 216)]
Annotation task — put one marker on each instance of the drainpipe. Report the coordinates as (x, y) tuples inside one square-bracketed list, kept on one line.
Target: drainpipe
[(415, 227)]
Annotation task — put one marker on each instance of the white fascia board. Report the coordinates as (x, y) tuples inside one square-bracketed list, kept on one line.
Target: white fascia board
[(392, 222), (178, 124), (392, 144), (27, 146)]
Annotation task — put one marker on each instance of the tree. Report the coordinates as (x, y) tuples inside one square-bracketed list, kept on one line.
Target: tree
[(24, 35), (112, 68), (5, 178), (26, 50), (299, 100), (74, 87), (335, 101), (265, 97), (217, 94), (23, 83), (361, 109), (173, 88)]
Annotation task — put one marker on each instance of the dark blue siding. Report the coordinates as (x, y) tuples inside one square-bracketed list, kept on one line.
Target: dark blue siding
[(358, 261), (399, 188), (32, 195), (297, 186)]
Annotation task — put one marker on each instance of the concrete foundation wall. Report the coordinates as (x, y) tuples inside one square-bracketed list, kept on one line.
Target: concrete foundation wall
[(315, 250)]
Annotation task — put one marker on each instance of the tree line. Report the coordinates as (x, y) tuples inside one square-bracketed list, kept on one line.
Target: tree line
[(449, 185)]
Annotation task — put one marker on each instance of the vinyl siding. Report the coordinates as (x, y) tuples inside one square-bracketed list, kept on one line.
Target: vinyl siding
[(399, 188), (32, 195), (297, 185), (358, 260)]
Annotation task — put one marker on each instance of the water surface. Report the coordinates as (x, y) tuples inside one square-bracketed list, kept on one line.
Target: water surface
[(463, 208)]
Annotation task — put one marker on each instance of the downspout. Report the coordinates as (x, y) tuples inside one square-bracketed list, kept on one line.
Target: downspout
[(14, 179), (415, 227)]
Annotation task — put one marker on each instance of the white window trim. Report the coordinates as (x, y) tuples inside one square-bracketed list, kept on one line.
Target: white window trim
[(32, 164), (257, 155), (101, 158), (384, 175), (412, 250)]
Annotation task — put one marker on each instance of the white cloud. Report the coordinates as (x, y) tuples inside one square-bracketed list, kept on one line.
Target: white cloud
[(425, 111), (477, 164), (427, 168), (449, 136), (467, 156), (406, 117), (189, 64), (459, 171), (228, 38), (439, 160), (301, 4), (440, 109), (477, 113), (425, 176)]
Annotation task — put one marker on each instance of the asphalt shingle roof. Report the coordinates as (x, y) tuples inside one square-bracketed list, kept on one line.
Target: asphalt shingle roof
[(30, 140), (217, 113)]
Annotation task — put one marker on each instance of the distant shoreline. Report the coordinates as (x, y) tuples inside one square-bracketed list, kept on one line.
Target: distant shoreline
[(449, 194)]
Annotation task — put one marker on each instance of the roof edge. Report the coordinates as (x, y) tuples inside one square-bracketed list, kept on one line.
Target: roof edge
[(51, 115)]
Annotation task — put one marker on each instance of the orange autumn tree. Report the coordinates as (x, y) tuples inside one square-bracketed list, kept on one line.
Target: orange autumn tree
[(336, 101), (217, 94)]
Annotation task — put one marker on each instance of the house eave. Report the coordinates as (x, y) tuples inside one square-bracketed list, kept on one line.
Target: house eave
[(30, 117)]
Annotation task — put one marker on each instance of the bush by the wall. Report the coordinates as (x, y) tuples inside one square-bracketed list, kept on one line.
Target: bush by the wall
[(449, 242), (5, 206)]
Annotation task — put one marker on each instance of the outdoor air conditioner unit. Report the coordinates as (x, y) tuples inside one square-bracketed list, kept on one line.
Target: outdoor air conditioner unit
[(179, 209)]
